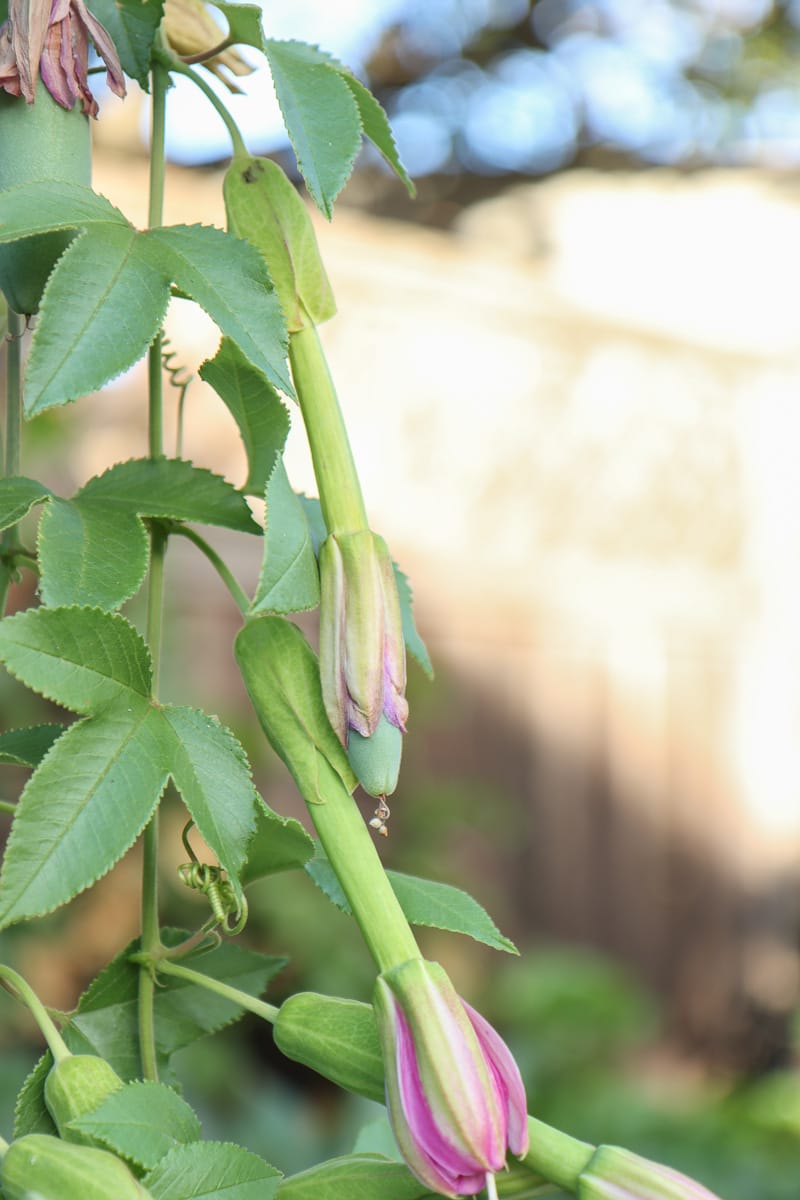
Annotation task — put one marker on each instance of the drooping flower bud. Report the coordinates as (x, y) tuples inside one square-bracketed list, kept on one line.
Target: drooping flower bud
[(361, 650), (616, 1174), (192, 33), (52, 37), (454, 1092)]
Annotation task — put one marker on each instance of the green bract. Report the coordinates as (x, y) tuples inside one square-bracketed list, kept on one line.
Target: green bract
[(45, 1168), (75, 1086)]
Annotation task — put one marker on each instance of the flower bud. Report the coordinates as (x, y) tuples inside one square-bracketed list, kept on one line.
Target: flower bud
[(192, 32), (454, 1093), (617, 1174), (362, 651)]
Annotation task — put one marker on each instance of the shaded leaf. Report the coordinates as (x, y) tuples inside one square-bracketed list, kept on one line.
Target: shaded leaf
[(262, 418), (289, 579), (27, 747), (132, 25), (423, 901), (321, 117), (278, 844), (354, 1177), (213, 776), (31, 1114), (106, 1017), (142, 1122), (212, 1171), (17, 497)]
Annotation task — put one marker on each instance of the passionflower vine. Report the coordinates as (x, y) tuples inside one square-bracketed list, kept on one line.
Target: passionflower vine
[(453, 1090), (361, 651), (51, 38), (616, 1174)]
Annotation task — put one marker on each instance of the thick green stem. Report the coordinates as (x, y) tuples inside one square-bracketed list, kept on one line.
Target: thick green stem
[(334, 466), (261, 1009), (556, 1155), (7, 806), (219, 565), (352, 854), (151, 933), (23, 990)]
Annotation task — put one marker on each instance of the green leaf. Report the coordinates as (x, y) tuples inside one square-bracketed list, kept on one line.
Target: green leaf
[(83, 808), (413, 641), (171, 488), (53, 204), (281, 675), (278, 844), (426, 902), (31, 1114), (263, 206), (80, 658), (132, 25), (93, 549), (321, 116), (102, 306), (289, 580), (211, 1171), (423, 901), (229, 279), (244, 24), (106, 1017), (212, 774), (354, 1177), (27, 747), (142, 1122), (262, 418), (17, 497), (316, 522), (90, 553), (376, 127)]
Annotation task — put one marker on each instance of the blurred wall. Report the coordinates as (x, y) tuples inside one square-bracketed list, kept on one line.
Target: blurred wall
[(576, 418)]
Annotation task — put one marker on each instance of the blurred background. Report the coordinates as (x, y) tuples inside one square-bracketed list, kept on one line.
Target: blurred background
[(570, 369)]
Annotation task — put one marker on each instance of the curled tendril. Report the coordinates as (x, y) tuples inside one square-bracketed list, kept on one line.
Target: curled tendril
[(211, 881), (179, 378)]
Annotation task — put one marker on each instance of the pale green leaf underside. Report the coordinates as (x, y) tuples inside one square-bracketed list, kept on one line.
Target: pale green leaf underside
[(244, 24), (289, 580), (212, 774), (321, 117), (83, 808), (263, 420), (376, 127), (142, 1122), (80, 658), (212, 1171)]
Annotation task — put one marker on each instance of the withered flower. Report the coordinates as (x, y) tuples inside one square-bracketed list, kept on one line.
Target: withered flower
[(51, 38)]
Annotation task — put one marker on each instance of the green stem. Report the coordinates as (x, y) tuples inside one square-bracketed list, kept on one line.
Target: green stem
[(222, 569), (151, 932), (180, 68), (261, 1009), (6, 806), (334, 467), (352, 854), (3, 1147), (556, 1155), (14, 981), (16, 327)]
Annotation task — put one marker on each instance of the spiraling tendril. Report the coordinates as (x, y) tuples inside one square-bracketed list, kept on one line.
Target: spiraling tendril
[(212, 882)]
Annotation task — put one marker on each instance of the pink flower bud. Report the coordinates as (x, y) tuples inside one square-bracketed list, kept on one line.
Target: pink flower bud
[(454, 1093)]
